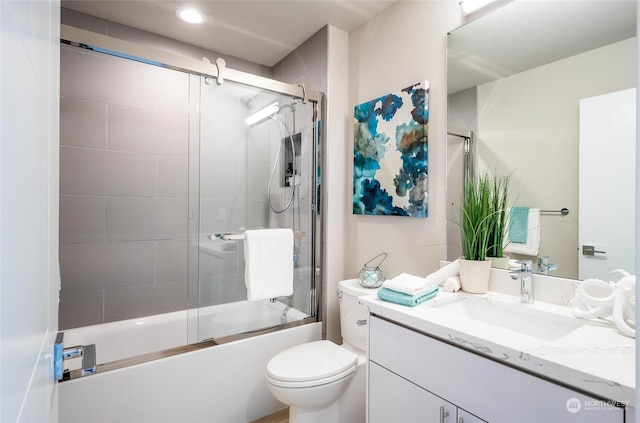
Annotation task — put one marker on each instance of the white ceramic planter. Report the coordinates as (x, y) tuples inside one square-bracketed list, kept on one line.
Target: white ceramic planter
[(500, 262), (474, 275)]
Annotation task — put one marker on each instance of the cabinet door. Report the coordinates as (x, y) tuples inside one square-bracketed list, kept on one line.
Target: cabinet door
[(394, 399), (466, 417)]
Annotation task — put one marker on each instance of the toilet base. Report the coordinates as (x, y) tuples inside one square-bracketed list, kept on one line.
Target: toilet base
[(350, 406), (352, 403), (306, 415)]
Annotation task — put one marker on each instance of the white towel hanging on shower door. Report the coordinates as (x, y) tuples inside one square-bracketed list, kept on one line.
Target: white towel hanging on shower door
[(268, 261)]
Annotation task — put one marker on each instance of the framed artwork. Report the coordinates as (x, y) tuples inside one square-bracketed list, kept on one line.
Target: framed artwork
[(390, 154)]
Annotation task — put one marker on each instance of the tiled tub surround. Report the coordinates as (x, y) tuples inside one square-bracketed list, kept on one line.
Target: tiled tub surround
[(594, 358), (124, 213)]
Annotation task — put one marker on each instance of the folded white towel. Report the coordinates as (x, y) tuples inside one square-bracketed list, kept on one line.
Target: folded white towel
[(440, 275), (452, 284), (407, 284), (530, 248), (268, 261)]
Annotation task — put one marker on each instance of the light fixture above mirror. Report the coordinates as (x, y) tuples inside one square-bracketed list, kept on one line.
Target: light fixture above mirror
[(470, 6)]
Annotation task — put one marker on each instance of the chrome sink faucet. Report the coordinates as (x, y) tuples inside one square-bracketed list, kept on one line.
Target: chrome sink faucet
[(525, 274), (544, 267)]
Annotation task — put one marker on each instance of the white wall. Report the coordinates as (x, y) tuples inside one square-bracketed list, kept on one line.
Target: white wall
[(637, 213), (335, 176), (403, 45), (29, 83)]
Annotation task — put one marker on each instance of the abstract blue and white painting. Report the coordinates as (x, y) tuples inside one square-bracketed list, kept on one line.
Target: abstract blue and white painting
[(390, 154)]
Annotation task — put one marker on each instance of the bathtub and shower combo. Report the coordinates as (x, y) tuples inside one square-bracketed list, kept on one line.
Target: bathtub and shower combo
[(154, 276)]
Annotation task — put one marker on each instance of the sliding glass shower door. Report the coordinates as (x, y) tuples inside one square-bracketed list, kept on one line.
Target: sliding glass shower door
[(160, 175), (250, 175)]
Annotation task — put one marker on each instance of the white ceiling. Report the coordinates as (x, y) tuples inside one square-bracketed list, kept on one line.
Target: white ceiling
[(261, 31), (525, 34)]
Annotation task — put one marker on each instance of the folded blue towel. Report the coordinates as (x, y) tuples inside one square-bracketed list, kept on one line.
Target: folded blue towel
[(518, 224), (392, 296)]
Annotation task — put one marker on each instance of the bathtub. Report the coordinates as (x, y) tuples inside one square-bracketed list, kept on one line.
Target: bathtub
[(223, 383), (134, 337)]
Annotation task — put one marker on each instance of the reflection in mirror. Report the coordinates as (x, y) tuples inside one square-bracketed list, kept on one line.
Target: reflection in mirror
[(518, 83)]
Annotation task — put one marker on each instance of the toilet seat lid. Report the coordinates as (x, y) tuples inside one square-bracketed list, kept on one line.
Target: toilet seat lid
[(310, 361)]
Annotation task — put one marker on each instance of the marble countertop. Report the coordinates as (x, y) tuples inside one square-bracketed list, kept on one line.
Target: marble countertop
[(594, 357)]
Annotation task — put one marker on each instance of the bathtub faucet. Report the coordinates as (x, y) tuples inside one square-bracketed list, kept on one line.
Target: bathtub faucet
[(275, 299)]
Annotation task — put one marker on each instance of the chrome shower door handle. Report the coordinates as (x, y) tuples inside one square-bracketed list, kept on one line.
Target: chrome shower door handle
[(87, 352), (89, 364)]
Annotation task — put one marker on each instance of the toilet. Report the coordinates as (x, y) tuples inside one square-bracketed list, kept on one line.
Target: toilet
[(323, 382)]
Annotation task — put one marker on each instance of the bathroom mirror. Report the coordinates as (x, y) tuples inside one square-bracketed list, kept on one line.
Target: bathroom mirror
[(515, 80)]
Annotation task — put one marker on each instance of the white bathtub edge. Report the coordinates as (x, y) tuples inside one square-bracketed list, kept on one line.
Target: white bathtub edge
[(224, 383)]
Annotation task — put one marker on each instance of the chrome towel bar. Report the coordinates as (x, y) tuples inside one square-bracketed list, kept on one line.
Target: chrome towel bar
[(240, 236), (563, 211)]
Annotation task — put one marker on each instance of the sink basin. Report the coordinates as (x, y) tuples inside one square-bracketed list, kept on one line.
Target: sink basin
[(515, 317)]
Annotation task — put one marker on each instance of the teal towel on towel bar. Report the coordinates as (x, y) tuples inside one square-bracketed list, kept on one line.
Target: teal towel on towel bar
[(518, 224), (392, 296)]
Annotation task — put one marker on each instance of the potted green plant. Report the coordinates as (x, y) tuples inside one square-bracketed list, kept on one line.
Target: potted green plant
[(499, 202), (483, 223)]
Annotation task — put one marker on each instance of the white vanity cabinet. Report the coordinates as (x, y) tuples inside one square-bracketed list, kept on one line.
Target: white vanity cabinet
[(395, 399), (416, 378)]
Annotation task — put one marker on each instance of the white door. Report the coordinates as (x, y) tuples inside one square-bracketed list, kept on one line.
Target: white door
[(607, 210), (29, 114)]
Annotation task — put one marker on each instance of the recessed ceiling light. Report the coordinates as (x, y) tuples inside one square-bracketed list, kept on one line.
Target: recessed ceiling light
[(191, 15)]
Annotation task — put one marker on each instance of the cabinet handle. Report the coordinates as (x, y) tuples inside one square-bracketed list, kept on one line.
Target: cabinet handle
[(461, 420), (443, 414)]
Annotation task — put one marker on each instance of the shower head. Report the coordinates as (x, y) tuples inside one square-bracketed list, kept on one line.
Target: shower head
[(263, 113)]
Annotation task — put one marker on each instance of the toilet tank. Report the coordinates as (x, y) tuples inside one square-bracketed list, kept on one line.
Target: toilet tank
[(354, 318)]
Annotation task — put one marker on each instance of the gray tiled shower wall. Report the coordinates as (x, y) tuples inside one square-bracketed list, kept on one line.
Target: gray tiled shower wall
[(123, 189), (124, 136)]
